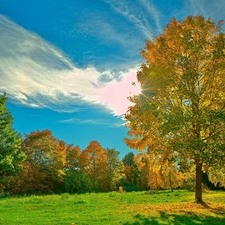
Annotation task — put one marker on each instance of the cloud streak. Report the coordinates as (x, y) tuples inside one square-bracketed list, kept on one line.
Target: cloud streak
[(213, 9), (144, 15), (98, 122), (135, 16), (37, 74), (152, 10)]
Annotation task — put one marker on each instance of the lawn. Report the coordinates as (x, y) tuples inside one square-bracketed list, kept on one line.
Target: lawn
[(163, 207)]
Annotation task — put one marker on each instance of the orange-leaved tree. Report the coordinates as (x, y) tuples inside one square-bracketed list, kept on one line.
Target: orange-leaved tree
[(93, 162), (43, 166), (72, 157), (182, 104)]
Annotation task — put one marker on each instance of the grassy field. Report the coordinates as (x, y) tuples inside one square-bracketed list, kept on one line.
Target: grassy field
[(134, 208)]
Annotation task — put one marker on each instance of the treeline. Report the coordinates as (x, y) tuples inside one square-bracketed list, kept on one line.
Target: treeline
[(52, 166), (40, 163)]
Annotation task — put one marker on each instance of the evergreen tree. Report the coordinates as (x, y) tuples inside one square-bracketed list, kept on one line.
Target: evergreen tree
[(10, 142)]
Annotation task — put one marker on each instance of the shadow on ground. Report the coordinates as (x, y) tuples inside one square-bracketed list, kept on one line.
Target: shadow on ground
[(189, 218), (216, 217)]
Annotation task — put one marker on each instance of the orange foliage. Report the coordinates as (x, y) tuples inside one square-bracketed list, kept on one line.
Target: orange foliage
[(93, 161)]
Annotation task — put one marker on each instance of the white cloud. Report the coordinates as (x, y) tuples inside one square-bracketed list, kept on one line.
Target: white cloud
[(37, 74)]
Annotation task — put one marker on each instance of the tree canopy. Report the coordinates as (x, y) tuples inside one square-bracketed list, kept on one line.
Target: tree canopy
[(182, 105)]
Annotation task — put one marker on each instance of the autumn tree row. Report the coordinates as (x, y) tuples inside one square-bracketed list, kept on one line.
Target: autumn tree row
[(41, 163), (52, 166)]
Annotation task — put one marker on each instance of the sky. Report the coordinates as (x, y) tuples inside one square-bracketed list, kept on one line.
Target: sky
[(68, 65)]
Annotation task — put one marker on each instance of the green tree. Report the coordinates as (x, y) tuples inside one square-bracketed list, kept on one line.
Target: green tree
[(128, 159), (182, 104), (11, 155), (116, 169), (132, 174), (79, 182)]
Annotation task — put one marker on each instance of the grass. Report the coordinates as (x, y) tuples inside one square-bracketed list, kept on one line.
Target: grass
[(163, 207)]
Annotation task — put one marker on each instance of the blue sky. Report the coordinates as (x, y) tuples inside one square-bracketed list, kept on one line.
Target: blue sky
[(68, 66)]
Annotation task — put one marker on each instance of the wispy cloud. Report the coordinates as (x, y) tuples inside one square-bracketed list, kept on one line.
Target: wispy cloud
[(35, 73), (144, 15), (99, 122), (213, 9), (153, 12), (135, 16), (112, 36)]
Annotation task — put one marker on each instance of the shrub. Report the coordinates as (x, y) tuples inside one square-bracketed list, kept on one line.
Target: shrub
[(129, 187), (78, 182)]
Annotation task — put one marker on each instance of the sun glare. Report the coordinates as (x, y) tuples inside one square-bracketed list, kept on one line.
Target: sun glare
[(136, 88), (115, 95)]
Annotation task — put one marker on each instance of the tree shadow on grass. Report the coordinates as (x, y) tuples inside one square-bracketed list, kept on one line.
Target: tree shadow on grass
[(181, 218), (189, 218)]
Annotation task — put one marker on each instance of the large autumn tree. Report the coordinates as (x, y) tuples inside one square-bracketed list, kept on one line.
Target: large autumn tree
[(10, 142), (182, 104)]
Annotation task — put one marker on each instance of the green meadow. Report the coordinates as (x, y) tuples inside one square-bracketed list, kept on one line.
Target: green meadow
[(162, 207)]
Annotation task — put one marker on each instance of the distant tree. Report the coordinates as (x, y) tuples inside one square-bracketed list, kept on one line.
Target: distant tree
[(155, 176), (11, 155), (116, 169), (45, 160), (132, 174), (72, 157), (142, 162), (182, 104), (150, 167), (170, 173), (93, 162), (128, 159)]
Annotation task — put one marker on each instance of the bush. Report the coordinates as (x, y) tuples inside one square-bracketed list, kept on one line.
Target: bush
[(129, 187), (4, 194), (78, 182)]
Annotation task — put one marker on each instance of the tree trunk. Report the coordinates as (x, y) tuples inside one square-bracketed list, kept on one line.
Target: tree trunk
[(198, 187)]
